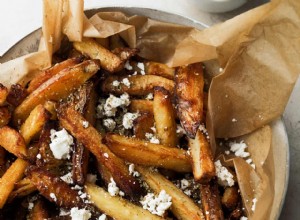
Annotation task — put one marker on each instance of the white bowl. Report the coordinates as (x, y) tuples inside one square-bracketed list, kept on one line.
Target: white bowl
[(217, 6)]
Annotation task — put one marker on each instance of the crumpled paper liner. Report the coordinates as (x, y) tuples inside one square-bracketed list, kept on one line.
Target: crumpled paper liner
[(259, 51)]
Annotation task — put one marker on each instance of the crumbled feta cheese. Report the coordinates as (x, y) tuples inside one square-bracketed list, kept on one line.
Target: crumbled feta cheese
[(234, 120), (102, 217), (30, 205), (63, 212), (91, 178), (207, 212), (53, 196), (38, 156), (225, 178), (254, 201), (128, 119), (105, 155), (132, 171), (239, 149), (149, 96), (100, 109), (113, 190), (109, 123), (116, 83), (187, 192), (142, 68), (80, 214), (67, 178), (128, 66), (184, 183), (152, 138), (153, 129), (85, 124), (227, 152), (126, 82), (249, 161), (125, 99), (203, 130), (243, 218), (157, 204), (60, 144)]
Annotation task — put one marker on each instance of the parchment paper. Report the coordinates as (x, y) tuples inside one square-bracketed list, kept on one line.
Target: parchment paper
[(259, 51)]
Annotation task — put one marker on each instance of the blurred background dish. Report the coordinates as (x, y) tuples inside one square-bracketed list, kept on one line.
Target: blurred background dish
[(218, 6)]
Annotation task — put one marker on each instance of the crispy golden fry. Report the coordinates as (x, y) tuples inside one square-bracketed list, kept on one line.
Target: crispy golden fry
[(182, 206), (117, 207), (125, 53), (5, 116), (202, 160), (16, 95), (80, 160), (210, 200), (34, 123), (46, 74), (108, 60), (39, 210), (3, 94), (139, 84), (13, 142), (143, 125), (164, 117), (159, 69), (115, 41), (72, 121), (14, 173), (22, 188), (140, 105), (230, 197), (58, 87), (145, 153), (50, 106), (189, 84)]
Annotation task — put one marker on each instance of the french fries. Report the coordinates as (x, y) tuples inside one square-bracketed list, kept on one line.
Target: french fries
[(159, 69), (182, 206), (202, 160), (138, 85), (140, 105), (189, 84), (16, 95), (164, 117), (91, 48), (143, 125), (5, 116), (58, 87), (22, 188), (115, 206), (230, 197), (146, 153)]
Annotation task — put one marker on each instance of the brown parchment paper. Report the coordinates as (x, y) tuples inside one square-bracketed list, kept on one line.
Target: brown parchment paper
[(258, 50)]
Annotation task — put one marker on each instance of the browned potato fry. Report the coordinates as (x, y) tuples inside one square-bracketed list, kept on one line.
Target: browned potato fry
[(182, 206), (140, 105), (72, 121), (46, 74), (22, 188), (58, 87), (146, 153), (125, 53), (13, 142), (143, 125), (189, 97), (3, 161), (164, 117), (39, 210), (202, 160), (80, 161), (3, 94), (115, 41), (13, 174), (34, 123), (16, 95), (5, 115), (139, 84), (210, 200), (159, 69), (117, 207), (230, 197), (237, 212), (50, 106), (94, 50)]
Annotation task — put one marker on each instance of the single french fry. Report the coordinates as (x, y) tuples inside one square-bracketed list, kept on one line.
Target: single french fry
[(143, 125), (22, 188), (139, 84), (46, 74), (140, 105), (13, 142), (80, 160), (72, 121), (5, 116), (202, 160), (34, 123), (145, 153), (58, 87), (182, 206), (230, 197), (94, 50), (164, 117), (50, 106), (189, 85), (16, 95), (159, 69), (13, 174), (115, 206), (39, 210), (210, 200), (3, 94)]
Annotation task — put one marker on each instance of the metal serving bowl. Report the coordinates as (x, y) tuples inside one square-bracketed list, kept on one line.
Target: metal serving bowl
[(279, 138)]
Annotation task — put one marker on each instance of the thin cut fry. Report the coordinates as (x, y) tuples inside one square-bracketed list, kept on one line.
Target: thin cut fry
[(142, 125), (203, 165), (189, 84), (3, 94), (140, 105), (164, 117), (108, 60), (16, 95), (5, 115), (116, 207), (22, 188), (159, 69), (145, 153), (139, 84), (182, 206), (14, 173)]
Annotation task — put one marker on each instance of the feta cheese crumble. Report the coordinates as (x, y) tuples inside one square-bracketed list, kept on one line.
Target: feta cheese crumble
[(149, 96), (128, 66), (102, 217), (239, 149), (225, 178), (113, 190), (111, 104), (67, 178), (157, 204), (126, 82), (254, 201), (60, 144), (152, 138), (109, 123), (116, 83), (38, 156), (30, 205), (243, 218), (132, 171), (80, 214), (53, 196), (128, 119), (85, 124), (141, 66)]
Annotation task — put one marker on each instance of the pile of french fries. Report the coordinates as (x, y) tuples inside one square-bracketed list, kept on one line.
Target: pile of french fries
[(159, 147)]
